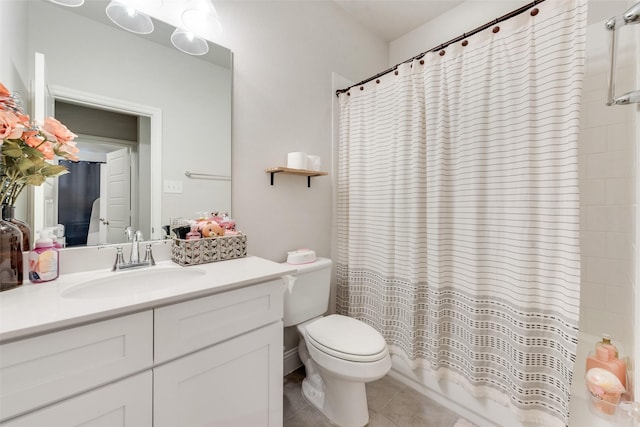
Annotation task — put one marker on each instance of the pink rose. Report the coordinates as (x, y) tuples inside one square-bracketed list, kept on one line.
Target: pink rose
[(11, 126), (56, 131), (32, 139), (4, 91), (46, 148), (69, 151)]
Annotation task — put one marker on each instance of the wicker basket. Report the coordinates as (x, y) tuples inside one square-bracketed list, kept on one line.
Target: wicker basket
[(205, 250)]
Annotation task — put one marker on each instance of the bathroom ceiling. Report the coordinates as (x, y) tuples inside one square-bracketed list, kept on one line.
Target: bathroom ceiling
[(390, 19)]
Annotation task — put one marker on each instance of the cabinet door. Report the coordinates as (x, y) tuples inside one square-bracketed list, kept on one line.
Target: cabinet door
[(38, 371), (123, 403), (235, 383)]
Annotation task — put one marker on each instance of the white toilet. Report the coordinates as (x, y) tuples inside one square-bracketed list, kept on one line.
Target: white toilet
[(340, 353)]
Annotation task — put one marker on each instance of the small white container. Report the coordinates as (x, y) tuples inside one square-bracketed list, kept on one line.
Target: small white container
[(297, 160), (313, 163), (301, 256)]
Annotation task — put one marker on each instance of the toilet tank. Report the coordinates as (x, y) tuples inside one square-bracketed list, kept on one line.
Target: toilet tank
[(307, 292)]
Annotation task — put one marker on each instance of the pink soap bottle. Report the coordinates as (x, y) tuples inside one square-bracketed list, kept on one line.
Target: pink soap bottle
[(602, 360), (613, 356), (44, 263), (606, 340)]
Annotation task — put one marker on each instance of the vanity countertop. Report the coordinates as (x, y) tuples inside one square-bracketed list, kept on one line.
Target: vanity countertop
[(37, 308)]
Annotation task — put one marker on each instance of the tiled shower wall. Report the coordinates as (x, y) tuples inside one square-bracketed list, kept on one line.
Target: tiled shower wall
[(607, 190)]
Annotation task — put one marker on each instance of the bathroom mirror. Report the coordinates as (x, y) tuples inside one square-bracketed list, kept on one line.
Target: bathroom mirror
[(180, 105)]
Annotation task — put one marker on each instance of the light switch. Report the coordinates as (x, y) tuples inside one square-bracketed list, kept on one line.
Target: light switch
[(172, 186)]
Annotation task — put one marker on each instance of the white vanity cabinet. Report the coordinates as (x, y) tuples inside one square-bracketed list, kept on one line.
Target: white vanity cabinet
[(215, 360), (237, 381), (42, 370), (125, 403)]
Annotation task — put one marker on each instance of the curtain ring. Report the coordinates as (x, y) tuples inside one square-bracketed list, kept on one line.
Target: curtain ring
[(464, 41)]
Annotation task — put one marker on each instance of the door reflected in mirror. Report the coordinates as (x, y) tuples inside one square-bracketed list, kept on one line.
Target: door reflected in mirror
[(94, 198)]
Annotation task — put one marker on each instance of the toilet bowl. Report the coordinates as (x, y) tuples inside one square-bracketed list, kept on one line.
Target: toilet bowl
[(340, 353)]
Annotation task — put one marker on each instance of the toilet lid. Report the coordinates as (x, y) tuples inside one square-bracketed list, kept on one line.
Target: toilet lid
[(347, 338)]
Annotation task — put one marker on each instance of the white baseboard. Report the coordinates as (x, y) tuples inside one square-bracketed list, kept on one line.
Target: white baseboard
[(291, 360)]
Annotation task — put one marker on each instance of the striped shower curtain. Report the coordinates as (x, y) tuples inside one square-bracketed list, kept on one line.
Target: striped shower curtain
[(458, 221)]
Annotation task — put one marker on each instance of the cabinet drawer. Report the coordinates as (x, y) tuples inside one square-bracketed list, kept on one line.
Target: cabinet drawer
[(192, 325), (125, 403), (37, 371)]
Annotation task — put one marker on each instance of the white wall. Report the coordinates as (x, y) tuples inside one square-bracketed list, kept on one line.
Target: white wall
[(14, 64), (607, 190), (284, 54)]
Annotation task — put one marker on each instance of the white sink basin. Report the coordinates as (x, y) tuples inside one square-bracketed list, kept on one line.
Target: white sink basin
[(119, 284)]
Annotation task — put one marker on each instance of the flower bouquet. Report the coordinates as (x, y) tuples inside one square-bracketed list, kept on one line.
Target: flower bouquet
[(27, 147)]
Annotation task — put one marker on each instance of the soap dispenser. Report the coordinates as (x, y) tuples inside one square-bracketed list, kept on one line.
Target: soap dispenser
[(613, 356), (606, 340), (605, 358), (44, 264)]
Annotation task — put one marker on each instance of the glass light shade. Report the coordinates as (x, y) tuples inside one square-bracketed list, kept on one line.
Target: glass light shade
[(129, 19), (188, 42), (199, 21), (68, 3)]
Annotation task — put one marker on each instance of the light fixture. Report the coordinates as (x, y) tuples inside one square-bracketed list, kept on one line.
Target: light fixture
[(129, 18), (68, 3), (188, 42), (202, 20)]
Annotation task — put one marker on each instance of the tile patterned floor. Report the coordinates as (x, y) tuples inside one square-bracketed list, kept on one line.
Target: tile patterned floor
[(391, 404)]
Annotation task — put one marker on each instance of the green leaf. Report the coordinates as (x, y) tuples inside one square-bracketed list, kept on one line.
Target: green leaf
[(25, 164), (36, 179), (11, 151), (54, 170), (33, 153)]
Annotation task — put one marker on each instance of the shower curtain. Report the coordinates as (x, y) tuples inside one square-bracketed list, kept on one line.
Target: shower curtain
[(458, 220)]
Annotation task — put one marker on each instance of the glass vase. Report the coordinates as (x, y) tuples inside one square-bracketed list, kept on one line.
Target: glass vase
[(8, 214), (11, 269)]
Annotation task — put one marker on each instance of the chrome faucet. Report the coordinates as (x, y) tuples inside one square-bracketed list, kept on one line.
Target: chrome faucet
[(134, 258), (135, 239)]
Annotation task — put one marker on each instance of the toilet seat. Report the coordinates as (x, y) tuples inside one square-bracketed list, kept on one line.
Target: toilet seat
[(346, 338)]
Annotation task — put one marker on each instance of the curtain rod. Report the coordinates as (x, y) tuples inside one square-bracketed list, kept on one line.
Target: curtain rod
[(454, 40)]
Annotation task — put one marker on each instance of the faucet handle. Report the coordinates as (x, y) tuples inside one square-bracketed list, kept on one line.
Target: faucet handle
[(119, 259), (148, 255)]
